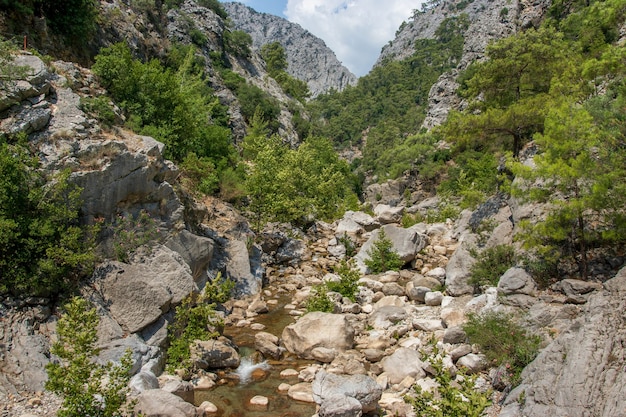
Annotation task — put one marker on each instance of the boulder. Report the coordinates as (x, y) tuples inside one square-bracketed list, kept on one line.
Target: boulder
[(454, 335), (516, 281), (138, 294), (418, 294), (330, 392), (159, 403), (143, 381), (317, 329), (301, 392), (402, 363), (433, 298), (457, 272), (239, 268), (386, 316), (386, 214), (210, 354), (182, 389), (473, 363), (392, 288), (268, 345), (406, 243), (196, 251)]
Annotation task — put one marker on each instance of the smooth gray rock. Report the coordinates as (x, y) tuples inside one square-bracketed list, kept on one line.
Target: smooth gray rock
[(159, 403), (317, 329), (454, 335), (329, 388), (239, 268), (402, 363), (457, 272), (406, 243), (516, 281), (386, 316), (143, 381)]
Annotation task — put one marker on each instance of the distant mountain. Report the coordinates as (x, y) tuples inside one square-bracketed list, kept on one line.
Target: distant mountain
[(308, 57)]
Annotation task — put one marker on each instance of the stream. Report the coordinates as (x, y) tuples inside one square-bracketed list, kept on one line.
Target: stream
[(233, 399)]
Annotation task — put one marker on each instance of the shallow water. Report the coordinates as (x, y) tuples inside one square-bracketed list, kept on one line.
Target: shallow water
[(233, 399)]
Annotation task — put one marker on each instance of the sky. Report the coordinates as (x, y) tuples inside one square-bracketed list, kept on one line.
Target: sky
[(355, 30)]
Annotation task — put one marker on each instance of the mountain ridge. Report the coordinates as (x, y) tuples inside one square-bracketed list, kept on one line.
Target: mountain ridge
[(308, 57)]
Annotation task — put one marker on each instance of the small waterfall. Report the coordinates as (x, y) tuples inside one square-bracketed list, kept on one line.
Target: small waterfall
[(246, 367)]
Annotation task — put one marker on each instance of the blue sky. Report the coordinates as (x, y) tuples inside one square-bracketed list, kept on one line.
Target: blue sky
[(355, 30)]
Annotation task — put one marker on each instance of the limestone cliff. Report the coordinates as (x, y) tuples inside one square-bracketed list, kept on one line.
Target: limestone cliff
[(489, 20), (308, 57)]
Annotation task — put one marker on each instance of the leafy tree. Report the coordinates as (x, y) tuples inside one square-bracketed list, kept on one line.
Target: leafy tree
[(511, 88), (581, 170), (382, 257), (275, 58), (175, 106), (296, 185), (238, 43), (87, 388), (43, 248), (347, 285)]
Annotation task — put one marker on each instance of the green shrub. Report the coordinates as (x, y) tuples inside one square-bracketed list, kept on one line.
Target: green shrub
[(99, 108), (347, 285), (237, 42), (490, 265), (319, 301), (44, 249), (382, 257), (196, 319), (199, 175), (87, 388), (455, 397), (503, 341)]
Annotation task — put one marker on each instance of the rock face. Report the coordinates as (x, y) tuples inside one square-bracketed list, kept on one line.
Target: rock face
[(581, 373), (308, 57), (212, 354), (489, 20), (318, 330)]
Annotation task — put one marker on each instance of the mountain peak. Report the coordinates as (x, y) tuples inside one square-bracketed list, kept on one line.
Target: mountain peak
[(308, 57)]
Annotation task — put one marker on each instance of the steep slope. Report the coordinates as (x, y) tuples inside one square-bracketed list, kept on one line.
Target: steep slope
[(489, 20), (308, 57)]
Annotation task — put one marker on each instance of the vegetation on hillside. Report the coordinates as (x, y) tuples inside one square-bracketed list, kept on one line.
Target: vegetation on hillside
[(560, 85)]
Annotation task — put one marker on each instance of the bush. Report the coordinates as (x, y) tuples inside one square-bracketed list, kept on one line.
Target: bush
[(196, 319), (319, 301), (347, 285), (454, 397), (503, 341), (87, 388), (490, 265), (382, 256), (44, 250)]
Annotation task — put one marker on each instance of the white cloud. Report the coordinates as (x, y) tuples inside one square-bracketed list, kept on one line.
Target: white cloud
[(355, 30)]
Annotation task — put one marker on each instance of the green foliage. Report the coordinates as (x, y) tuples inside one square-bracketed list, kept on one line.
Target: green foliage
[(503, 341), (213, 5), (99, 108), (389, 103), (295, 185), (276, 61), (43, 248), (76, 19), (238, 43), (131, 232), (490, 265), (455, 397), (87, 388), (175, 106), (348, 244), (319, 300), (582, 173), (199, 175), (382, 257), (196, 319), (347, 285)]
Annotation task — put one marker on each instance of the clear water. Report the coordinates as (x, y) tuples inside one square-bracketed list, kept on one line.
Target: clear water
[(233, 399)]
